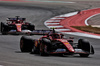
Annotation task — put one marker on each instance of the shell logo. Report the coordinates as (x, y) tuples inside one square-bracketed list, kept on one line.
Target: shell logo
[(66, 43)]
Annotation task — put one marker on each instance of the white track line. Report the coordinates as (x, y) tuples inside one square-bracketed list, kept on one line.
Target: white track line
[(52, 23), (53, 20), (68, 15), (89, 18), (62, 29), (57, 1), (57, 18), (54, 26), (82, 34)]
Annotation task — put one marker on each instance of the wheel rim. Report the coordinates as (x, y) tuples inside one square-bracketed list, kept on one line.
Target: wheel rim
[(21, 44)]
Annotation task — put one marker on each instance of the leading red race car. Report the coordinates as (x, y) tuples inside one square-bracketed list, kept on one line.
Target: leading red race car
[(16, 26), (55, 43)]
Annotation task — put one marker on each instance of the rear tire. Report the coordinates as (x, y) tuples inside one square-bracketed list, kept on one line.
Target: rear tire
[(26, 44), (4, 28)]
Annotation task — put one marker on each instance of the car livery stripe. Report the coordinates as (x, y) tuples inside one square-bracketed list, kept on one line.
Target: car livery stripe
[(66, 43)]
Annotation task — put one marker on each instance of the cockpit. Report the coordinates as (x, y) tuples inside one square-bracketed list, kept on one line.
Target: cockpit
[(56, 36)]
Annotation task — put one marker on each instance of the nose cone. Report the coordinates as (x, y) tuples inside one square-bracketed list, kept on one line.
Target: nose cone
[(18, 27), (68, 46)]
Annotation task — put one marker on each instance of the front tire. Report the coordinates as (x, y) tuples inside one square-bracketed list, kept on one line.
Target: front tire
[(42, 50), (45, 46), (84, 45)]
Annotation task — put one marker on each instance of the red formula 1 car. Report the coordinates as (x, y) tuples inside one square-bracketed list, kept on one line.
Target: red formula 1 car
[(55, 43), (16, 26)]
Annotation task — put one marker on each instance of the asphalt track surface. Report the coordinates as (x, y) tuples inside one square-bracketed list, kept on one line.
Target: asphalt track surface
[(10, 54)]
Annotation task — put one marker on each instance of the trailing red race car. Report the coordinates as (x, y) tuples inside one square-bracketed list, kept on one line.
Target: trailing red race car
[(16, 26), (55, 43)]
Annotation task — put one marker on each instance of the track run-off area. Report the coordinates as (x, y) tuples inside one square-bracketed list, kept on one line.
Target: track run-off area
[(64, 22), (37, 13)]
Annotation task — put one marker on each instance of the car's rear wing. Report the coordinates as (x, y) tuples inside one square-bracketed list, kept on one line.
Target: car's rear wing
[(28, 32), (40, 32), (14, 19)]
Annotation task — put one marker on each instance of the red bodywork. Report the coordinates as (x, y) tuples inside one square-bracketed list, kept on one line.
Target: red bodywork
[(59, 37), (67, 44), (55, 43), (18, 26), (18, 22)]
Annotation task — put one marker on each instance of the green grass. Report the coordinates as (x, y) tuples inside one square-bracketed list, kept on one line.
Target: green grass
[(88, 29)]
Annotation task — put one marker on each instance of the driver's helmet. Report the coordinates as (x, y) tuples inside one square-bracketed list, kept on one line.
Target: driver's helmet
[(56, 36), (18, 21)]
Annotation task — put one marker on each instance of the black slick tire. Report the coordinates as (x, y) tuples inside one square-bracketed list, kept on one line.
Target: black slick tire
[(26, 44)]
